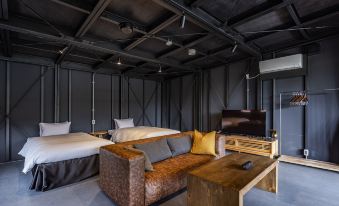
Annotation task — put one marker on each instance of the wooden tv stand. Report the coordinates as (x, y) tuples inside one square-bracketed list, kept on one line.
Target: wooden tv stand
[(251, 145)]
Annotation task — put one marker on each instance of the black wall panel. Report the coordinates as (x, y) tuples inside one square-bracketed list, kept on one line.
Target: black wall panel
[(292, 117), (135, 106), (322, 123), (48, 95), (2, 110), (103, 113), (24, 104), (150, 103), (217, 96), (81, 101), (237, 85), (115, 95), (175, 103), (64, 94), (53, 94), (187, 103), (267, 102)]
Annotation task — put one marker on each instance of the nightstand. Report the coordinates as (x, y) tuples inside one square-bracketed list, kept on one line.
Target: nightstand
[(100, 134)]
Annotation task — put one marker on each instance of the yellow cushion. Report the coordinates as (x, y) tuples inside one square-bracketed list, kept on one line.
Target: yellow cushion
[(204, 144)]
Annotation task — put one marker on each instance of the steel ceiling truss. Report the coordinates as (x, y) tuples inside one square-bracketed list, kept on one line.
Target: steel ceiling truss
[(194, 13)]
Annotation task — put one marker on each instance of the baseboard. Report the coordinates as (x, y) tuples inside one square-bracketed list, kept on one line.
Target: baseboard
[(310, 163)]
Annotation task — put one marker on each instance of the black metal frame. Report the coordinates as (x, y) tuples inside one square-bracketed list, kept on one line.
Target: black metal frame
[(194, 13)]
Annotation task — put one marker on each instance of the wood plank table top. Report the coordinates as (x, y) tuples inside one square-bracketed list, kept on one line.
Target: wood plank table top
[(226, 182)]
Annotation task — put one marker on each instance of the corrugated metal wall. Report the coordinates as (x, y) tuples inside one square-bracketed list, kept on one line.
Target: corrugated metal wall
[(315, 127), (196, 101), (32, 93)]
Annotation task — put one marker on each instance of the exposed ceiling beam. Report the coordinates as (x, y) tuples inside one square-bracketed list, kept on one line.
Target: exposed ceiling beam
[(116, 19), (36, 49), (132, 45), (209, 23), (152, 32), (294, 14), (29, 28), (5, 35), (324, 16), (188, 45), (257, 12), (86, 25), (301, 43), (105, 62), (211, 53)]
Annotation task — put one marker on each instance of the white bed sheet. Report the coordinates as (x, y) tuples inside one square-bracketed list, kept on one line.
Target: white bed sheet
[(55, 148), (140, 132)]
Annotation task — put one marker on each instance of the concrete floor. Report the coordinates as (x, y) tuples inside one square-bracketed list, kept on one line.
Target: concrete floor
[(298, 185)]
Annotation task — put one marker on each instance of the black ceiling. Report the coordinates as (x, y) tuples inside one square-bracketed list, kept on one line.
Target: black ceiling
[(87, 31)]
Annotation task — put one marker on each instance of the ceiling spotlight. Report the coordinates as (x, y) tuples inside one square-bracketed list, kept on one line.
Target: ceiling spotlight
[(169, 42), (234, 48), (119, 61), (126, 27), (160, 70), (182, 21), (192, 52), (63, 50)]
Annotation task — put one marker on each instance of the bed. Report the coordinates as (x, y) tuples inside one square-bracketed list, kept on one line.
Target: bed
[(59, 160), (139, 132)]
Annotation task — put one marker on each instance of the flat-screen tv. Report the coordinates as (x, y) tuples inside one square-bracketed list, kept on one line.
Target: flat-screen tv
[(244, 122)]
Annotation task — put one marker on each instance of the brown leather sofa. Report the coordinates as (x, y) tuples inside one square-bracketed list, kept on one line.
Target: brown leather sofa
[(124, 180)]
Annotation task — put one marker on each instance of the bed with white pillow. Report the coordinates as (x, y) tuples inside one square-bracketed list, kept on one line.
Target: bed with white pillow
[(126, 131), (58, 157)]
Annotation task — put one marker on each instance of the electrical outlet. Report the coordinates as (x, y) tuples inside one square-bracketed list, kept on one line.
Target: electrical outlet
[(93, 121), (306, 152)]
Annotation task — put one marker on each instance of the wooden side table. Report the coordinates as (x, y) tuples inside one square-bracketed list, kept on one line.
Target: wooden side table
[(100, 134)]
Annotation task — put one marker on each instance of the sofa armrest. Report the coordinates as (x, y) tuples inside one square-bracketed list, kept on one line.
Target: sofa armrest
[(220, 145), (122, 175)]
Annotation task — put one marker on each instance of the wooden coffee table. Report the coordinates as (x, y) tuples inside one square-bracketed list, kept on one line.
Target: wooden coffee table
[(224, 182)]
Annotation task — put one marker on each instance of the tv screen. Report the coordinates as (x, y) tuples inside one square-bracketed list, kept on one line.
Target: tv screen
[(244, 122)]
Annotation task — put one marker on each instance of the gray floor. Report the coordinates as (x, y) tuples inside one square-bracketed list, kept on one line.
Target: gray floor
[(298, 185)]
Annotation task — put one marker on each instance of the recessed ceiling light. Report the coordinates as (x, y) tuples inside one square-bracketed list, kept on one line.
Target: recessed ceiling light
[(192, 52), (126, 27)]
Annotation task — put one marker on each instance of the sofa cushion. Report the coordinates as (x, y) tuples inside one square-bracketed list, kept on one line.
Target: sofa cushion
[(170, 175), (148, 164), (156, 151), (180, 145), (204, 144)]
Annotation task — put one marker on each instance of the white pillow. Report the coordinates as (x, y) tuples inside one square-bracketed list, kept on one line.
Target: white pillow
[(123, 123), (48, 129)]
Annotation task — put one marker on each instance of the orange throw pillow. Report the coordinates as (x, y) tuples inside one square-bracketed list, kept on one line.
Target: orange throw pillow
[(204, 144)]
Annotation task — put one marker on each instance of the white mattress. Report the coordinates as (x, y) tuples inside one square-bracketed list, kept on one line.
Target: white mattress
[(141, 132), (55, 148)]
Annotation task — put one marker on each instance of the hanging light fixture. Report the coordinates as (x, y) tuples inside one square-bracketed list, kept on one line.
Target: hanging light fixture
[(126, 27), (63, 50), (192, 52), (119, 61), (160, 69), (182, 20), (234, 47), (169, 42)]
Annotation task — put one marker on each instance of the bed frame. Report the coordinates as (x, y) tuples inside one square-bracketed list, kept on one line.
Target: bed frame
[(47, 176)]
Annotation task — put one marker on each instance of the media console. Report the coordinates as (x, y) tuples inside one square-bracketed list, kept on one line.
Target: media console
[(252, 145)]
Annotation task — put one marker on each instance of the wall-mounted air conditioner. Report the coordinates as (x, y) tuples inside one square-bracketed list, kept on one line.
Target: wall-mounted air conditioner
[(292, 62)]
